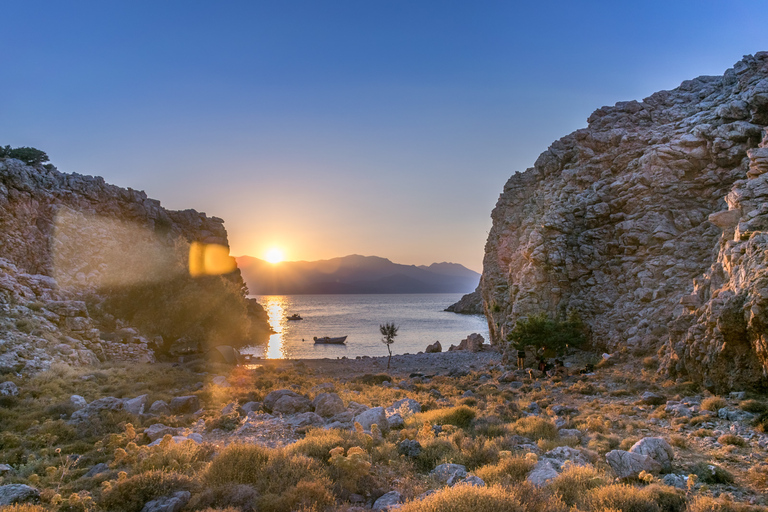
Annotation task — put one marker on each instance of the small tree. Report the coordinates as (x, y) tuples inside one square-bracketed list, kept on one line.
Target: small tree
[(540, 331), (30, 156), (388, 331)]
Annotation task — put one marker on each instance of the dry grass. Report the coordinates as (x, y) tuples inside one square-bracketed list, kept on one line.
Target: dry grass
[(731, 439), (507, 471), (713, 403), (460, 416), (466, 498), (535, 428), (574, 482)]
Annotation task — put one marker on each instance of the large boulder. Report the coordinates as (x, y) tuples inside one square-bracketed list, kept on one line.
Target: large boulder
[(173, 503), (83, 416), (289, 404), (434, 348), (445, 472), (656, 448), (630, 465), (18, 493), (388, 501), (158, 431), (404, 407), (184, 404), (542, 472), (136, 405), (375, 415), (328, 405), (271, 399), (8, 388)]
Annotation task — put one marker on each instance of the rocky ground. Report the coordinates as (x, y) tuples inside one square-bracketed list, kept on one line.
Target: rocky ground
[(432, 421)]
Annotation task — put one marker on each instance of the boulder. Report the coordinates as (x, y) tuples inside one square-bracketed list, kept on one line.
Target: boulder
[(83, 415), (630, 465), (564, 410), (77, 401), (136, 405), (8, 388), (472, 480), (304, 419), (388, 501), (197, 438), (409, 448), (542, 472), (251, 407), (656, 448), (160, 408), (185, 404), (158, 431), (376, 415), (288, 404), (735, 414), (650, 398), (473, 343), (404, 407), (563, 454), (220, 381), (328, 405), (395, 421), (434, 348), (672, 480), (101, 467), (173, 503), (508, 377), (444, 472), (18, 493), (570, 432), (274, 396), (6, 469)]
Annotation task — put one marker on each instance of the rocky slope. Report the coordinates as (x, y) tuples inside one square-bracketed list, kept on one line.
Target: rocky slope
[(70, 242), (614, 221)]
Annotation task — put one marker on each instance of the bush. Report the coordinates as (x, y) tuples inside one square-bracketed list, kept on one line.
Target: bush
[(244, 498), (622, 497), (753, 406), (467, 498), (711, 473), (732, 440), (319, 442), (574, 482), (460, 416), (540, 331), (30, 156), (507, 471), (713, 403), (535, 428), (130, 494)]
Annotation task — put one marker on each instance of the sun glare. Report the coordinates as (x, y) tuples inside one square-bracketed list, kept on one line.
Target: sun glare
[(274, 255)]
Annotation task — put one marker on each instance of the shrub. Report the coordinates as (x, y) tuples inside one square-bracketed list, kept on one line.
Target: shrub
[(540, 331), (460, 416), (434, 452), (30, 156), (713, 403), (711, 473), (467, 498), (622, 497), (732, 440), (130, 494), (241, 497), (23, 507), (667, 498), (319, 442), (186, 458), (574, 482), (758, 476), (534, 428), (507, 471), (753, 406)]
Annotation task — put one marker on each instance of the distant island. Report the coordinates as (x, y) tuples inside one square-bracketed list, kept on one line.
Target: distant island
[(354, 274)]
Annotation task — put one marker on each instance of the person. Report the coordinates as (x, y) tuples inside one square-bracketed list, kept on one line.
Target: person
[(542, 365), (520, 359)]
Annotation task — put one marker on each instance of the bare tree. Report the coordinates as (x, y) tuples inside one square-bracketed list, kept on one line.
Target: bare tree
[(388, 331)]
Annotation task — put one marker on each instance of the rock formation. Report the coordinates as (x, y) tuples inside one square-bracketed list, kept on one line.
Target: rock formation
[(615, 222), (69, 244)]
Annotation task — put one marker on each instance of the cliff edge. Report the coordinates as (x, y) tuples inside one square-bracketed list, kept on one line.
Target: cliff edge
[(615, 222)]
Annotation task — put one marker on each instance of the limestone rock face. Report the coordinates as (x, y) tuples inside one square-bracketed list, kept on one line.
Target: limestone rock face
[(65, 237), (615, 222)]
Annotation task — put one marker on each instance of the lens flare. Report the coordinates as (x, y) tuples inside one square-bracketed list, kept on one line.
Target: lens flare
[(210, 260)]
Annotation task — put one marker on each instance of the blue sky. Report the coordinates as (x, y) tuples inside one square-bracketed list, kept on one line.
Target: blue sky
[(329, 128)]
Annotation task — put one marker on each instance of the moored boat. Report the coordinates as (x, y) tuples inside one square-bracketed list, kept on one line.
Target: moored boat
[(330, 341), (294, 316)]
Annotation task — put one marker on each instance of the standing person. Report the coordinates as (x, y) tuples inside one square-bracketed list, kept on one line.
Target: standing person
[(520, 359)]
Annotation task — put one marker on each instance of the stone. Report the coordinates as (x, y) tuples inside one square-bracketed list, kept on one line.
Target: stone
[(273, 396), (8, 388), (328, 405), (409, 448), (160, 408), (563, 454), (251, 407), (388, 501), (737, 395), (6, 469), (434, 348), (305, 419), (289, 404), (83, 416), (650, 398), (220, 381), (77, 401), (444, 472), (375, 415), (542, 472), (564, 410), (630, 465), (395, 421), (158, 431), (405, 407), (672, 480), (197, 438), (473, 480), (18, 493), (726, 219), (101, 467), (656, 448), (508, 377), (136, 405), (729, 414), (184, 404), (173, 503)]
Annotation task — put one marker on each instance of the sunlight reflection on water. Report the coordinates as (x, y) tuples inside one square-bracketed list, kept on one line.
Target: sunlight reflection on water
[(275, 306)]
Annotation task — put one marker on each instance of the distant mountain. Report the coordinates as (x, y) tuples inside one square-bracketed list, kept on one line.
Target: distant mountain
[(354, 274)]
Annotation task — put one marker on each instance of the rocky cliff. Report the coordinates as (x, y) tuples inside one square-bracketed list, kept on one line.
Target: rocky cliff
[(76, 253), (615, 222)]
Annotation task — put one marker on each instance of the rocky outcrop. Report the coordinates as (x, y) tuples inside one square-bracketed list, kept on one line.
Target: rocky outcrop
[(469, 304), (615, 222), (67, 243)]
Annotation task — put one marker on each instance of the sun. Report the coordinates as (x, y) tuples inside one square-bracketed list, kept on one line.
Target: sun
[(274, 255)]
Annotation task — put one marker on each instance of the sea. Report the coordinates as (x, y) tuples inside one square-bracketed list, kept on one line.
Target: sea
[(420, 319)]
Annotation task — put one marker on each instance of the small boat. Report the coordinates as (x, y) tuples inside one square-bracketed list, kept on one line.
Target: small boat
[(294, 316), (330, 341)]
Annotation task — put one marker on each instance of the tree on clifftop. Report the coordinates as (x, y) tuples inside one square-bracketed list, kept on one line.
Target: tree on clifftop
[(388, 331), (30, 156)]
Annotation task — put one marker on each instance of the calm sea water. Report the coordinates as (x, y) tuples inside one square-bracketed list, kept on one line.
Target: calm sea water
[(420, 317)]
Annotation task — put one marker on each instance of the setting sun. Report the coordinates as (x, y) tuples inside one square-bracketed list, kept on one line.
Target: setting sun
[(274, 255)]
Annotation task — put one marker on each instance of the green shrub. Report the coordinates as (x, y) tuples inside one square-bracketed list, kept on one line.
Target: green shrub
[(30, 156), (434, 452), (540, 331), (711, 473), (130, 494)]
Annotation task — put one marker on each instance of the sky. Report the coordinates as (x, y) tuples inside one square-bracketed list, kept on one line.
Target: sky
[(336, 127)]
